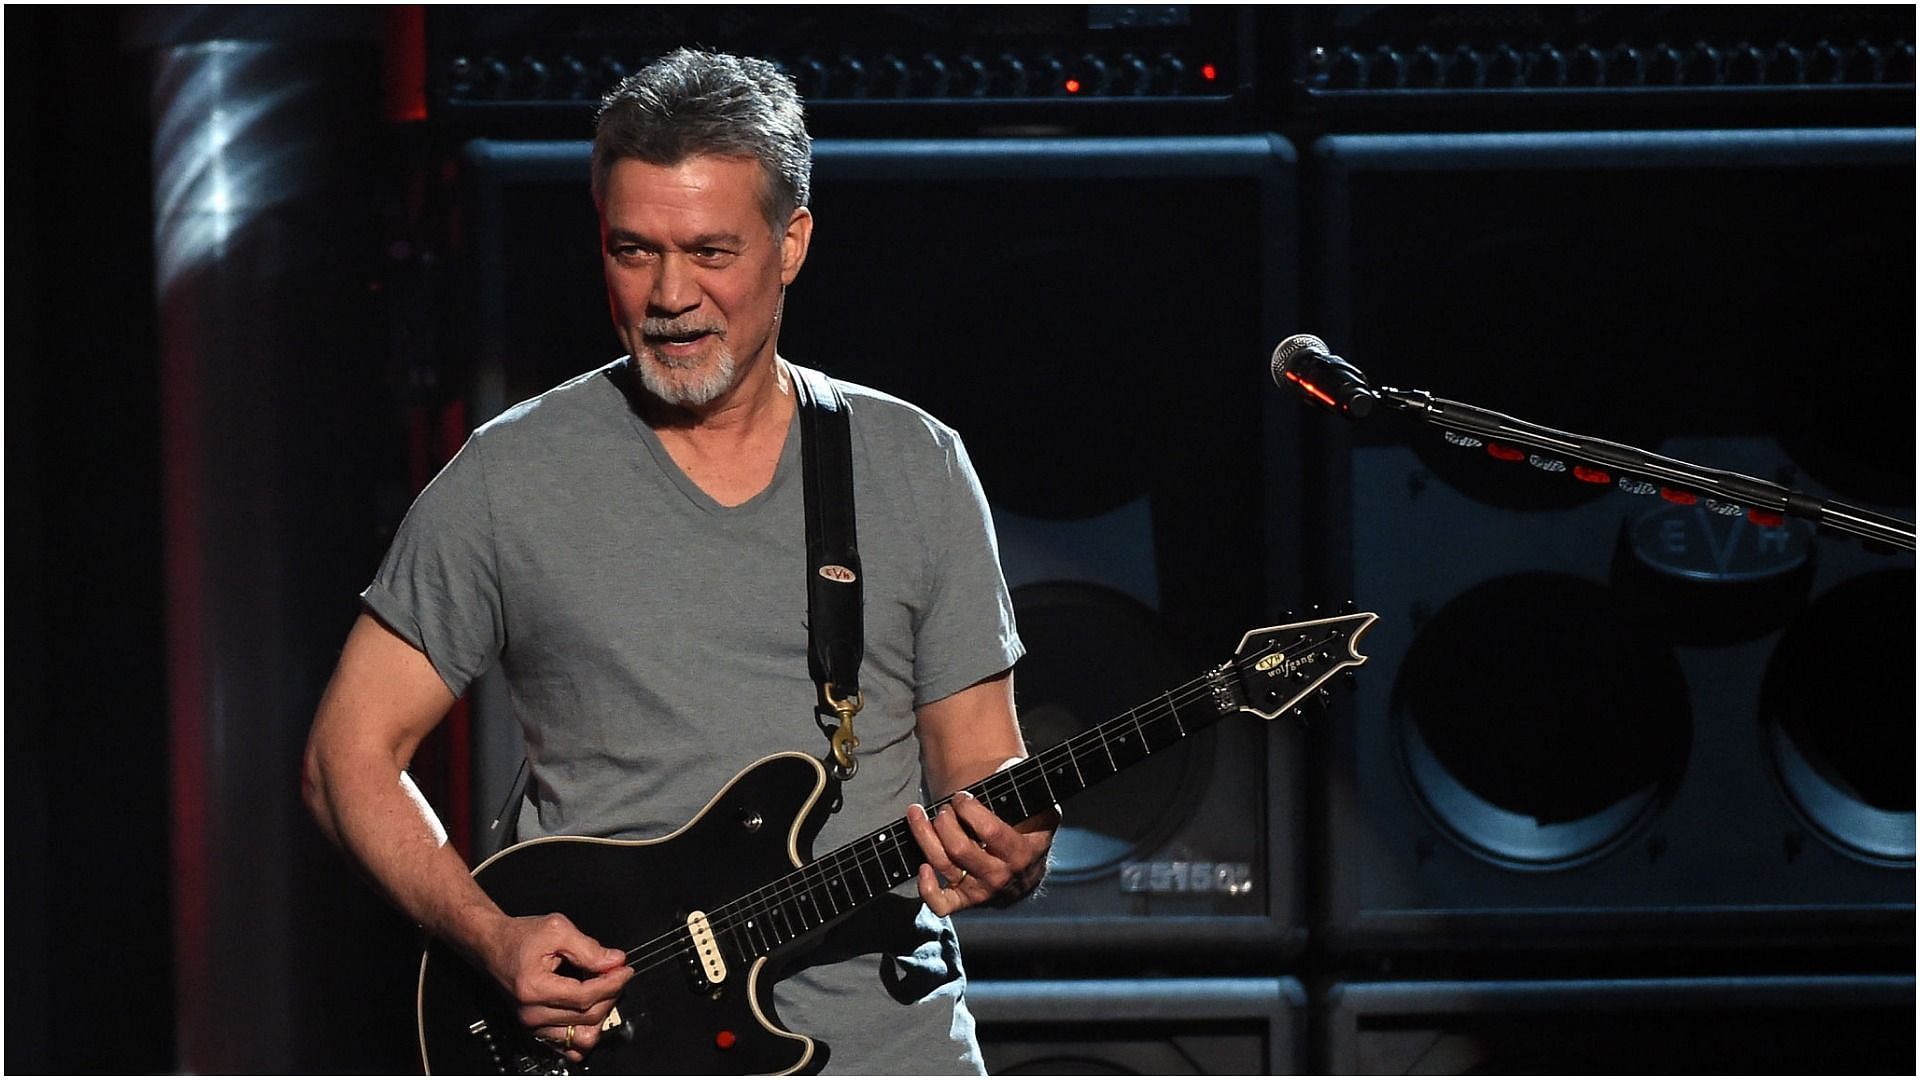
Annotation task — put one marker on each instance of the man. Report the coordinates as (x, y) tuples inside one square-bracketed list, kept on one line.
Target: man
[(630, 548)]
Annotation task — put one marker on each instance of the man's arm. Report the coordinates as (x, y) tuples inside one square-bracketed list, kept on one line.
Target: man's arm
[(972, 856), (384, 698)]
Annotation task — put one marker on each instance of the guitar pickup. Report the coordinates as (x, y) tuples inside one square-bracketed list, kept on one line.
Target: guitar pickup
[(707, 948)]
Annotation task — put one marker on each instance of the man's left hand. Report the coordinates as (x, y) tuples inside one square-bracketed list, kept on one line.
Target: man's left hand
[(975, 858)]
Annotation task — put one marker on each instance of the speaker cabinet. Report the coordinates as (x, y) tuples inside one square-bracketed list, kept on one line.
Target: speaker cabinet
[(1095, 357), (1769, 1025), (1152, 1027), (1595, 715)]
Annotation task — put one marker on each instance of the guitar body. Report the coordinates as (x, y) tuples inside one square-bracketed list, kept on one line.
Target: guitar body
[(672, 1018)]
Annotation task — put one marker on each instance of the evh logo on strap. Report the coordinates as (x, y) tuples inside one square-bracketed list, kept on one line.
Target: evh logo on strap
[(835, 572)]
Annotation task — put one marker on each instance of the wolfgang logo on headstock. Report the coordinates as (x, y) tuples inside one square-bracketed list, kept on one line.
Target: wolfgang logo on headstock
[(1281, 665)]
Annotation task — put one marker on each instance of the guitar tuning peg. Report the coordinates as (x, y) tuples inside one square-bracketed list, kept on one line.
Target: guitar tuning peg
[(1348, 608), (1299, 713), (1326, 697), (1353, 679)]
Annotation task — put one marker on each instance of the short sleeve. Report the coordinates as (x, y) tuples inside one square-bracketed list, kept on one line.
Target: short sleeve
[(439, 586), (966, 631)]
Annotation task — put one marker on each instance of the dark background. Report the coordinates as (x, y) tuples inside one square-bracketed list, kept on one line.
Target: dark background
[(169, 907)]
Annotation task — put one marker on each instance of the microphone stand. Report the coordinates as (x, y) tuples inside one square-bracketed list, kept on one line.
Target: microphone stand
[(1714, 483)]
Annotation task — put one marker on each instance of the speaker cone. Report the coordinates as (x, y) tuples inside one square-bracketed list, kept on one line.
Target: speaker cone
[(1837, 718), (1537, 723)]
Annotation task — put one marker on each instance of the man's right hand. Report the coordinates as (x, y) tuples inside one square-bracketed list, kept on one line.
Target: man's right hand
[(526, 955), (385, 697)]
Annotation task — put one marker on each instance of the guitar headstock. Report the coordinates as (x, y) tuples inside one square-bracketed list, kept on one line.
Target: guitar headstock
[(1280, 666)]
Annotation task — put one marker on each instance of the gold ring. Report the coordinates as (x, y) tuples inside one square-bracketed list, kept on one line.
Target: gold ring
[(569, 1044), (964, 873)]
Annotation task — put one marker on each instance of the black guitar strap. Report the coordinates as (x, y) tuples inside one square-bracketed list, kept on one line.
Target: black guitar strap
[(835, 642)]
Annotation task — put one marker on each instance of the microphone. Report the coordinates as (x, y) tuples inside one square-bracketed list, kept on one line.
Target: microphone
[(1328, 381)]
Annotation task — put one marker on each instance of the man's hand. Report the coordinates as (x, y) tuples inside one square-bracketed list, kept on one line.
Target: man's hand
[(525, 956), (975, 858), (972, 856)]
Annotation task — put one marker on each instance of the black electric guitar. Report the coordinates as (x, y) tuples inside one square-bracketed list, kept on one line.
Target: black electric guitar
[(703, 911)]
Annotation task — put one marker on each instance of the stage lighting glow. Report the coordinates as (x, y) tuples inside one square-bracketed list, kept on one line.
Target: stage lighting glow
[(226, 147)]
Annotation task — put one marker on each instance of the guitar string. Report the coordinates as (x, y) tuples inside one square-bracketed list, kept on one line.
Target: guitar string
[(723, 918), (727, 917), (780, 894), (775, 896), (670, 945), (994, 789), (850, 864)]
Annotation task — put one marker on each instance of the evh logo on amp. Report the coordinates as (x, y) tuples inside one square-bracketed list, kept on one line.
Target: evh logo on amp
[(1693, 542)]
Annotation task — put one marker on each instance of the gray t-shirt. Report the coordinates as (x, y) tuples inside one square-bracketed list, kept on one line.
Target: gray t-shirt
[(655, 643)]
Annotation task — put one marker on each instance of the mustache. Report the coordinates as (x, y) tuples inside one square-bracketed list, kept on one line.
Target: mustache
[(662, 328)]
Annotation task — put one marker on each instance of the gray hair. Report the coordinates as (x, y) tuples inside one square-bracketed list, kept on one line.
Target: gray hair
[(690, 103)]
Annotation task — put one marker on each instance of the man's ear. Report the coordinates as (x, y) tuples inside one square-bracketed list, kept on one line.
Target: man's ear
[(793, 244)]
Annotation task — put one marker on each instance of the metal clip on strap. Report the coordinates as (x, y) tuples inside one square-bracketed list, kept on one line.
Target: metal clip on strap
[(845, 742)]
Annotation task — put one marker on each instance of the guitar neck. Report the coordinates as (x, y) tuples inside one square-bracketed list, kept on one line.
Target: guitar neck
[(1069, 767), (855, 873)]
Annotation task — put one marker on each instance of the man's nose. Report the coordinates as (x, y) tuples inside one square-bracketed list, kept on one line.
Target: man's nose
[(674, 288)]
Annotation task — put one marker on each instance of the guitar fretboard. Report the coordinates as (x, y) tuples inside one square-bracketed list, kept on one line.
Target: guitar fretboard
[(849, 876)]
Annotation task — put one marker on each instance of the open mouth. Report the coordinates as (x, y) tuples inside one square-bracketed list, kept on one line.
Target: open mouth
[(678, 341)]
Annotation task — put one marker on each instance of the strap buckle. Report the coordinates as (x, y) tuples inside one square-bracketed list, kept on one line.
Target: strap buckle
[(844, 741)]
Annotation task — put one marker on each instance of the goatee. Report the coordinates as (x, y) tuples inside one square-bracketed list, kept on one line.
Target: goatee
[(690, 384)]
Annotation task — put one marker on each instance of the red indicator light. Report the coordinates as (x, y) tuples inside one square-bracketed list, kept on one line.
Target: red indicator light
[(1314, 390), (1679, 498), (1506, 453), (1209, 72), (1766, 519), (725, 1040), (1591, 475), (1073, 86)]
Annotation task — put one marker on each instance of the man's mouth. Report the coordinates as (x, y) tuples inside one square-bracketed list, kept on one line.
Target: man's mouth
[(674, 335)]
